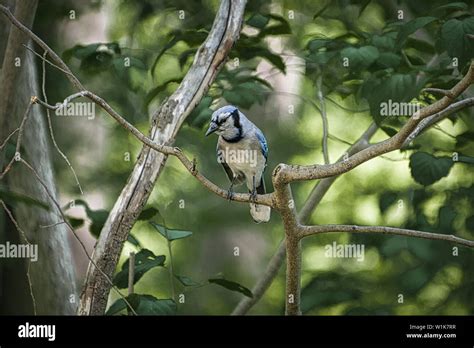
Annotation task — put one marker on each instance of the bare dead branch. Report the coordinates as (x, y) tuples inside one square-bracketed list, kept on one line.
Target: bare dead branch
[(306, 231)]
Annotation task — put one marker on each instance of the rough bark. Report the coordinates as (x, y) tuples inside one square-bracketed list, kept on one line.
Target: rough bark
[(52, 276), (165, 124)]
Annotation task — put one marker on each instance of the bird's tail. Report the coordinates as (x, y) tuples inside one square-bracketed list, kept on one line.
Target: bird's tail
[(260, 213)]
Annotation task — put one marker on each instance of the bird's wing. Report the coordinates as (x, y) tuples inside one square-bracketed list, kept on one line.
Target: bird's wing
[(263, 142), (229, 172), (261, 187)]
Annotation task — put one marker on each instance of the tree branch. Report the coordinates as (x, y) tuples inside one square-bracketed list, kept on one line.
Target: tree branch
[(168, 150), (165, 124), (431, 120), (72, 78), (305, 231), (314, 198), (289, 173)]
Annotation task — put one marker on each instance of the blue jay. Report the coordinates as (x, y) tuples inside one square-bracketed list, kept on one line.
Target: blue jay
[(242, 150)]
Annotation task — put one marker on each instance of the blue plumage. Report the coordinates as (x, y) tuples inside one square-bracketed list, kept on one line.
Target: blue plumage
[(243, 151)]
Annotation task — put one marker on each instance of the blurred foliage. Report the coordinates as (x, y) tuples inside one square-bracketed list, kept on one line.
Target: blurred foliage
[(366, 52)]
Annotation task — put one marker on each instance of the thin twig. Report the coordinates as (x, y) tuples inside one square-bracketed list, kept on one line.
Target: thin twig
[(44, 46), (58, 207), (46, 60), (50, 126)]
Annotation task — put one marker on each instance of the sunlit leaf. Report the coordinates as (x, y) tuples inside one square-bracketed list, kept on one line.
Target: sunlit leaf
[(170, 234), (145, 260)]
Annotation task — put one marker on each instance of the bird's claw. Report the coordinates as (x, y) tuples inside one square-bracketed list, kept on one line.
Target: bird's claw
[(230, 194), (253, 196)]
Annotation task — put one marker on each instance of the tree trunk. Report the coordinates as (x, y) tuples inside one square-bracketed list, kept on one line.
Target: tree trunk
[(52, 276), (164, 127)]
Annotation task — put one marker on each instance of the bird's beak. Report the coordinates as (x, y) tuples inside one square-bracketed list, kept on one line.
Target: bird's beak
[(212, 128)]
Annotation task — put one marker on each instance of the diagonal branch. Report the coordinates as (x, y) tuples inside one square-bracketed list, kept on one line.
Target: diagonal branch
[(431, 120), (288, 173), (72, 78), (168, 150)]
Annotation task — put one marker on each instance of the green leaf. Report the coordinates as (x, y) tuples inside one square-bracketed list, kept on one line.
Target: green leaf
[(98, 217), (145, 260), (389, 60), (360, 57), (144, 305), (389, 130), (420, 45), (397, 88), (454, 6), (385, 41), (463, 139), (469, 223), (281, 28), (412, 26), (455, 41), (230, 285), (446, 216), (386, 200), (275, 59), (131, 239), (186, 281), (183, 57), (426, 169), (75, 223), (170, 234), (191, 37), (148, 213), (315, 44), (258, 21)]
